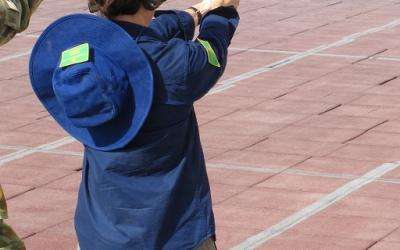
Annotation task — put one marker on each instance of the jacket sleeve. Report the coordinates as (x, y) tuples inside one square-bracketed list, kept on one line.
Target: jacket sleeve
[(216, 32), (169, 24)]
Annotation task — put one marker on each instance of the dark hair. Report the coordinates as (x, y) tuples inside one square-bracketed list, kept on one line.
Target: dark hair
[(113, 8)]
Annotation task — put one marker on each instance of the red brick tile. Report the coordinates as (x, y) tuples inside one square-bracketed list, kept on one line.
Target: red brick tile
[(292, 146), (366, 111), (272, 198), (274, 82), (14, 68), (258, 159), (12, 89), (309, 68), (235, 177), (26, 139), (4, 152), (228, 237), (289, 241), (392, 126), (368, 153), (22, 111), (60, 236), (383, 245), (378, 100), (252, 128), (224, 101), (303, 183), (380, 190), (64, 229), (40, 209), (317, 134), (210, 152), (393, 237), (53, 161), (369, 207), (68, 183), (329, 84), (263, 116), (350, 227), (253, 61), (9, 123), (252, 90), (389, 88), (50, 242), (320, 95), (11, 190), (378, 139), (19, 44), (369, 72), (76, 147), (30, 99), (249, 218), (394, 174), (30, 176), (363, 46), (231, 142), (298, 107), (46, 126), (206, 114), (345, 122), (337, 165), (221, 192)]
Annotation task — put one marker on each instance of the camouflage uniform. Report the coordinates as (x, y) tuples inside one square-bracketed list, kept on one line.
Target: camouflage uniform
[(15, 16), (8, 238)]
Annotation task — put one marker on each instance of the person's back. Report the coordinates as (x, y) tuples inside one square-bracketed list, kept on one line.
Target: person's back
[(153, 193)]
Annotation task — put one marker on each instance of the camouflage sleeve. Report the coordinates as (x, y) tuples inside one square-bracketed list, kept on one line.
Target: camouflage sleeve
[(15, 16), (8, 238), (3, 205)]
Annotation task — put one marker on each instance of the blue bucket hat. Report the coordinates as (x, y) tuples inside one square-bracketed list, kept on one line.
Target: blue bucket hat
[(93, 78)]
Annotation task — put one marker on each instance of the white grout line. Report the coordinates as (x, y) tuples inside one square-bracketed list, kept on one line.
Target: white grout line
[(291, 171), (318, 206), (272, 51), (28, 35), (396, 59), (14, 56), (25, 152), (229, 83), (285, 52)]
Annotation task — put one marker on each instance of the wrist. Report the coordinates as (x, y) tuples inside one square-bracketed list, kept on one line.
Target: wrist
[(204, 7)]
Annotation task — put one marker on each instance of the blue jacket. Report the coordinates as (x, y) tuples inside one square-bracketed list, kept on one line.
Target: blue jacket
[(154, 193)]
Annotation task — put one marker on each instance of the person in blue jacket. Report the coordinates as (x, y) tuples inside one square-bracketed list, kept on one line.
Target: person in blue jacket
[(124, 83)]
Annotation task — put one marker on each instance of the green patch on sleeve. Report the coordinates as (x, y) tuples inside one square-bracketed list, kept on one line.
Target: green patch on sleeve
[(212, 57), (78, 54)]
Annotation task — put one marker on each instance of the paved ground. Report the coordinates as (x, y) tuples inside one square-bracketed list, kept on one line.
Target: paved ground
[(295, 133)]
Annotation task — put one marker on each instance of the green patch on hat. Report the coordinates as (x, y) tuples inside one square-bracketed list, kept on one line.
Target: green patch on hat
[(78, 54), (212, 56)]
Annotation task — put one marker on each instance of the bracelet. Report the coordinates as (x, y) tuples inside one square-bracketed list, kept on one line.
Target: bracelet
[(197, 12)]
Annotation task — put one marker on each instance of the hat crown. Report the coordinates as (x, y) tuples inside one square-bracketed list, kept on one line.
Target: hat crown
[(91, 93)]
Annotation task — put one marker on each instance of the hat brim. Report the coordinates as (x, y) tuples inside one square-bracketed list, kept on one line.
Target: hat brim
[(103, 34)]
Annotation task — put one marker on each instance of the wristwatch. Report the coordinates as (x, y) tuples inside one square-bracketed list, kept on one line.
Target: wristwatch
[(197, 12)]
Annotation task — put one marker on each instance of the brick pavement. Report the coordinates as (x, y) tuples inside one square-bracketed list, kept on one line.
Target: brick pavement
[(320, 111)]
